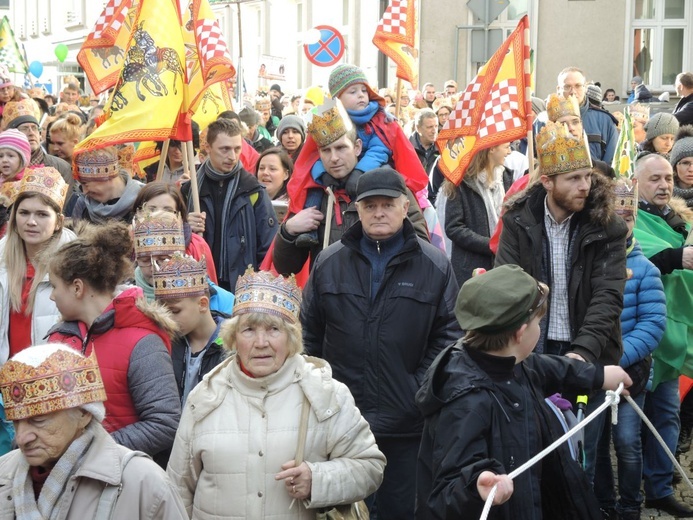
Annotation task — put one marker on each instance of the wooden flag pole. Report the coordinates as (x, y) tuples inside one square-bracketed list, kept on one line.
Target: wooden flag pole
[(398, 108), (162, 160), (194, 190), (530, 155)]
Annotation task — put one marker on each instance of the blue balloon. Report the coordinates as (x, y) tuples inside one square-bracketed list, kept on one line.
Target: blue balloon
[(36, 68)]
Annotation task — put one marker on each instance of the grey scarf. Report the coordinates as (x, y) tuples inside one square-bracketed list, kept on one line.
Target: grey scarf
[(684, 193), (99, 212), (48, 507)]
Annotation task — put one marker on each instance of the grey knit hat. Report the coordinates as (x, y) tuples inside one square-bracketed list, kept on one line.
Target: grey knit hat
[(294, 122), (683, 146), (249, 117), (637, 80), (594, 94), (660, 124)]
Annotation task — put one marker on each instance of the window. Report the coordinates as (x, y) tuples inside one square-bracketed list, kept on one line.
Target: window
[(660, 36)]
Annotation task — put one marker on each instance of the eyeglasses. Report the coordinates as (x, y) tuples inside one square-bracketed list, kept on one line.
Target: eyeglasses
[(29, 128), (571, 88), (685, 164), (539, 299)]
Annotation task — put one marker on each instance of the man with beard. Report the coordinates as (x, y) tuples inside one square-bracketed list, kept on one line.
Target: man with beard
[(564, 232)]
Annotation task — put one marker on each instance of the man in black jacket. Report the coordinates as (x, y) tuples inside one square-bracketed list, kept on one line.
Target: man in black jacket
[(379, 307)]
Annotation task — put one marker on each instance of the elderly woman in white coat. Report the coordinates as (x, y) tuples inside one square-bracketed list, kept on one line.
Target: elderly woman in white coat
[(234, 453), (34, 229)]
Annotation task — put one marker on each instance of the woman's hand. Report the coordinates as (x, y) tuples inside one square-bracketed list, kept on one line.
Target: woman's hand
[(297, 480), (486, 481), (197, 222)]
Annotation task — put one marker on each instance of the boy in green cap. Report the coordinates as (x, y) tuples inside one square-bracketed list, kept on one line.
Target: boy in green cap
[(483, 399)]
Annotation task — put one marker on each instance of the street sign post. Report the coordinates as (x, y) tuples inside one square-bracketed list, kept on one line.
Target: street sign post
[(328, 50)]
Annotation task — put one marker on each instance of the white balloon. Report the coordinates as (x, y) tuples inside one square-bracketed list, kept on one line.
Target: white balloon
[(312, 36)]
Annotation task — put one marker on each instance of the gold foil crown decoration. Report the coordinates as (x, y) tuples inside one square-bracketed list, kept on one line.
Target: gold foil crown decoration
[(263, 292), (46, 181), (158, 233), (626, 196), (639, 111), (328, 122), (263, 103), (559, 106), (21, 108), (559, 152), (180, 277), (97, 165), (58, 378)]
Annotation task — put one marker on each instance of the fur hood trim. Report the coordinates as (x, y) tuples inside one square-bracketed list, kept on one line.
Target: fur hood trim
[(159, 314), (599, 205), (679, 206)]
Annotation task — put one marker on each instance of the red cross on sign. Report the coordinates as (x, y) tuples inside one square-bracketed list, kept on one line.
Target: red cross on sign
[(328, 50)]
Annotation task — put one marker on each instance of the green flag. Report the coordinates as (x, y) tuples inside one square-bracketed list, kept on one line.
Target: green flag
[(10, 55)]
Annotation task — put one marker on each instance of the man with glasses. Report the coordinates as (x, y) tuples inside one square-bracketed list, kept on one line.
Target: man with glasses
[(23, 115), (599, 124)]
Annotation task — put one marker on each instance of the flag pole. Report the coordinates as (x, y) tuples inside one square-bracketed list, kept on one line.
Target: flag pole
[(398, 108), (528, 106), (162, 160), (194, 190)]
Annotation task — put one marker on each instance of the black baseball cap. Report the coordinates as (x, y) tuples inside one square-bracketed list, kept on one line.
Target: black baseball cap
[(383, 182)]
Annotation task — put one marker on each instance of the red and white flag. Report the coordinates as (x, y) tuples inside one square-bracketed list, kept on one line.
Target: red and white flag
[(397, 37)]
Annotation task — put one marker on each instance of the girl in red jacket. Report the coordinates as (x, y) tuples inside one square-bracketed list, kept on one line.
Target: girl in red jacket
[(131, 337)]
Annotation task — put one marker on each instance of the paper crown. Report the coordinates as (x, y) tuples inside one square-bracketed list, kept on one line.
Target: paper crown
[(559, 152), (328, 122), (19, 112), (125, 154), (639, 111), (97, 165), (558, 106), (46, 181), (180, 277), (158, 233), (626, 196), (442, 102), (263, 292), (33, 383), (263, 103), (10, 190)]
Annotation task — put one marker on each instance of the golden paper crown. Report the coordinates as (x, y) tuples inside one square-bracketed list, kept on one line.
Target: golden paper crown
[(263, 103), (180, 277), (558, 106), (158, 233), (10, 190), (639, 111), (46, 181), (263, 292), (27, 109), (626, 196), (442, 102), (97, 165), (36, 92), (125, 154), (559, 152), (49, 378), (328, 122)]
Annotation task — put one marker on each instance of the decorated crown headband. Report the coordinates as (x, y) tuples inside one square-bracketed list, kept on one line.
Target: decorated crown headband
[(559, 152), (264, 293), (559, 106), (180, 277), (159, 233), (46, 181), (639, 111), (97, 165), (626, 196), (63, 380), (328, 122)]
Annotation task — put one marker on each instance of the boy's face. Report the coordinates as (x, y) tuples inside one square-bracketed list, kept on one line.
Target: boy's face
[(529, 339), (187, 312), (355, 97)]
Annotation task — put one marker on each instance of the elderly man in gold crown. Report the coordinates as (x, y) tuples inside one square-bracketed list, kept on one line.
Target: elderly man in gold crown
[(563, 231), (333, 139), (67, 466)]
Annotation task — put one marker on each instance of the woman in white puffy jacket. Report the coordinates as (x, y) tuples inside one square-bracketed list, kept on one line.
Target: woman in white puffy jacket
[(233, 456), (34, 229)]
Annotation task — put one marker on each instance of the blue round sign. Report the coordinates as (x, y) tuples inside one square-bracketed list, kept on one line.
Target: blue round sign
[(328, 50)]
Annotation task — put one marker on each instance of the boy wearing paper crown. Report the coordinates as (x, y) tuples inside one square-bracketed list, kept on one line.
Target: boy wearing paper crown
[(642, 324), (483, 399), (181, 285), (379, 134)]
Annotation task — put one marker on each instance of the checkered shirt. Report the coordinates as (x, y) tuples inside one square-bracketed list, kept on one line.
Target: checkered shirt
[(559, 312)]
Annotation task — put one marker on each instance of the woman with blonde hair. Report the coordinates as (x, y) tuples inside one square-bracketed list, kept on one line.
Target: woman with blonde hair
[(35, 229), (236, 447), (65, 133), (473, 210)]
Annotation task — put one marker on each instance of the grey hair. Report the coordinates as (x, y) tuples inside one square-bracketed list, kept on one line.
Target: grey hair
[(424, 113)]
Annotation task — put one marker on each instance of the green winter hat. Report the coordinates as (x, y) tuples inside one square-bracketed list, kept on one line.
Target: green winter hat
[(343, 76), (499, 300)]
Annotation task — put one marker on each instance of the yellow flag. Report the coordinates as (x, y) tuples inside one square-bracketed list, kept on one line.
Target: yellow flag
[(10, 55), (149, 94), (214, 101)]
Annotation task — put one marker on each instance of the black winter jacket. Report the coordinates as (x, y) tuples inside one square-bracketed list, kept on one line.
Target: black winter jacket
[(466, 225), (475, 423), (683, 111), (381, 349), (597, 269)]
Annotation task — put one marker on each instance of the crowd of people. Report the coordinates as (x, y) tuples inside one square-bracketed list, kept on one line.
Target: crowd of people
[(325, 324)]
